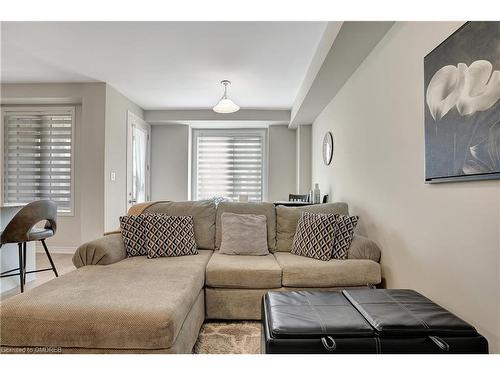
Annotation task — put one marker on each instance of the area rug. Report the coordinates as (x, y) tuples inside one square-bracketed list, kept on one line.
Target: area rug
[(241, 337)]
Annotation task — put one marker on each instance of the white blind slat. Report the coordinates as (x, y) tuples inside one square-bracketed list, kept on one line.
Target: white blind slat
[(229, 165), (38, 157)]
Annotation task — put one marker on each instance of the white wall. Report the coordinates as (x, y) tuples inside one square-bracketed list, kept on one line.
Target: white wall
[(282, 162), (442, 240), (303, 167), (169, 162), (89, 100), (100, 147), (170, 158), (117, 107)]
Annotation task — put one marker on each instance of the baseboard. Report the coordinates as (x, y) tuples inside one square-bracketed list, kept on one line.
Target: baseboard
[(56, 249)]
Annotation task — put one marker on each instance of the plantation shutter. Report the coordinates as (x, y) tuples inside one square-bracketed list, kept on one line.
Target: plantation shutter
[(38, 157), (229, 165)]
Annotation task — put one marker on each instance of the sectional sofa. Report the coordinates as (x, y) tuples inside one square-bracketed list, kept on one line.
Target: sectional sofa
[(115, 304)]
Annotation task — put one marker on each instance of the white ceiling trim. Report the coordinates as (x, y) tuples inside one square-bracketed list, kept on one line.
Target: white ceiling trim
[(352, 43), (188, 116), (324, 46)]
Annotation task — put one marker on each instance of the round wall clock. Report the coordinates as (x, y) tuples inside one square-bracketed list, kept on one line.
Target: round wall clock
[(328, 148)]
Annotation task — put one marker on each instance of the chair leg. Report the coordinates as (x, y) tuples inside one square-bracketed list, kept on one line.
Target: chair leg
[(24, 262), (21, 268), (48, 256)]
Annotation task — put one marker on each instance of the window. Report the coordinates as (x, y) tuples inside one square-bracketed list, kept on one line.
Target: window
[(229, 164), (38, 155)]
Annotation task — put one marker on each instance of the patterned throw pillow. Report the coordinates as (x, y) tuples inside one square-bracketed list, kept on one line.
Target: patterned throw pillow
[(343, 237), (315, 235), (170, 236), (134, 236)]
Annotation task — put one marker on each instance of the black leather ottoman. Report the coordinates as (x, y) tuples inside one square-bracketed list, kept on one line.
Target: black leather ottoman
[(362, 321)]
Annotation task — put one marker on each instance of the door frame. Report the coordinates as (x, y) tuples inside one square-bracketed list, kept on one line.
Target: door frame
[(134, 120)]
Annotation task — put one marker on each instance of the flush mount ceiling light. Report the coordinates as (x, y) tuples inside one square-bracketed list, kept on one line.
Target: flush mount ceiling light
[(226, 105)]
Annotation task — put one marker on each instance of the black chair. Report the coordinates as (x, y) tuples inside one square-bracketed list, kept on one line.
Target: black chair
[(298, 197), (21, 229)]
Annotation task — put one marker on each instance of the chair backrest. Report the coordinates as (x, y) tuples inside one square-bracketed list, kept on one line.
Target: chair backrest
[(22, 223), (298, 197)]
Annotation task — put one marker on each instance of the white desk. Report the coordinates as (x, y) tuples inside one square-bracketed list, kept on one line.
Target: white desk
[(9, 256)]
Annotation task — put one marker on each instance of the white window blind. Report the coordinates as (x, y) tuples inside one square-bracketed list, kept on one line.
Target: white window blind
[(37, 158), (229, 164)]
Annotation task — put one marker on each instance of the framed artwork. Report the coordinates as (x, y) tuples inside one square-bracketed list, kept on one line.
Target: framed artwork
[(462, 105)]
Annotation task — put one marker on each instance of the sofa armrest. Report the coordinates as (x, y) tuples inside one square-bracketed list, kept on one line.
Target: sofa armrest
[(105, 250), (364, 248)]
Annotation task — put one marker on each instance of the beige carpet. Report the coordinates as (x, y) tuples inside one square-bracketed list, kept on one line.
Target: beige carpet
[(229, 338)]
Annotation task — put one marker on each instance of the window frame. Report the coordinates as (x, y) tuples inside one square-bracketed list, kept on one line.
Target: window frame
[(29, 110), (229, 132)]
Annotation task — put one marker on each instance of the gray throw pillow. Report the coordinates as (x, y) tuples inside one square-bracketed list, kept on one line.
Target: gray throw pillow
[(170, 236), (315, 236), (243, 234)]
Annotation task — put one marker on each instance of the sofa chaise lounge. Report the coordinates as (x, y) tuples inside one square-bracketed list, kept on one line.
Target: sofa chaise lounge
[(115, 304)]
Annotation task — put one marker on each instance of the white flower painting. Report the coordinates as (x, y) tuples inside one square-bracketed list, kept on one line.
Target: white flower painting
[(468, 88), (462, 96)]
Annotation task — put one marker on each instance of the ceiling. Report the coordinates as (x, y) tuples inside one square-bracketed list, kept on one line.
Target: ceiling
[(167, 65)]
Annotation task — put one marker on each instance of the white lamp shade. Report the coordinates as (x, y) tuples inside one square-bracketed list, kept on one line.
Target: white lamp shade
[(226, 106)]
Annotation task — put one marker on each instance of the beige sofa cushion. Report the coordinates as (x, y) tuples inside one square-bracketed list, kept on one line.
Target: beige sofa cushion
[(203, 213), (262, 208), (135, 303), (234, 304), (300, 271), (287, 219), (243, 234), (237, 271)]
